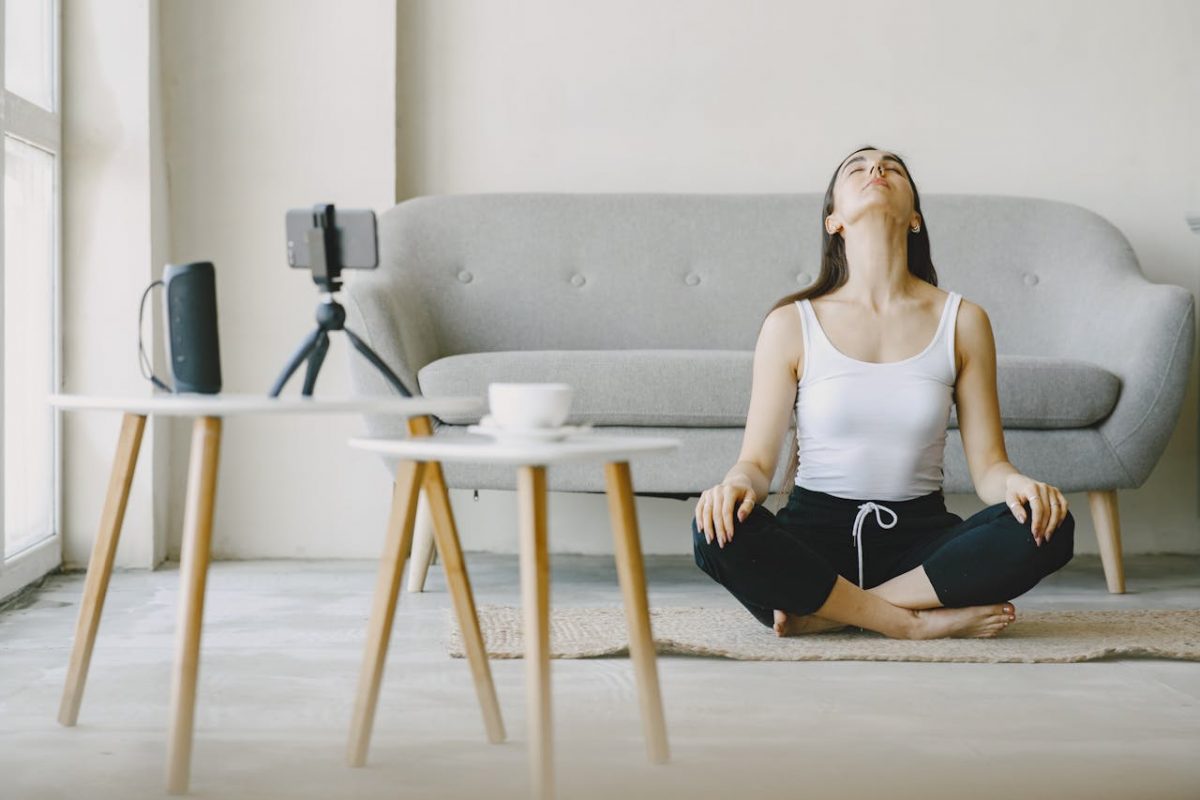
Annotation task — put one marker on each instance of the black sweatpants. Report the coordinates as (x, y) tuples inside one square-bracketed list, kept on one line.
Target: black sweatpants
[(790, 560)]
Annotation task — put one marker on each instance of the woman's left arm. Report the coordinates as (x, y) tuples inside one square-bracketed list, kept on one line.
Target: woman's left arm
[(978, 406)]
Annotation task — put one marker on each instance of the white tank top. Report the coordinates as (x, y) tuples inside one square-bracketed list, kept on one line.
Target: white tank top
[(870, 430)]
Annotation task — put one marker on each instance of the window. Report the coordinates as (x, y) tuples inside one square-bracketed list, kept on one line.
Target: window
[(29, 270)]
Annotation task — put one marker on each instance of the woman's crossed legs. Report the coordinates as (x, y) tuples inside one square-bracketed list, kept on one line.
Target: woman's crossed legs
[(950, 583)]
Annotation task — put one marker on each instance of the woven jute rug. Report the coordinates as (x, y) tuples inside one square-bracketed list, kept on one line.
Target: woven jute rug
[(1035, 636)]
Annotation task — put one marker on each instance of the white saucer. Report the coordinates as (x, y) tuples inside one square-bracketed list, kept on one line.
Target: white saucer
[(488, 427)]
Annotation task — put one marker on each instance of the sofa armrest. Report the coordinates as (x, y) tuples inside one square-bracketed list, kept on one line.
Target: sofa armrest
[(1144, 332), (387, 313)]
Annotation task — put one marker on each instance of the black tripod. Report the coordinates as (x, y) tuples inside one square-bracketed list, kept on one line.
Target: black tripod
[(324, 251)]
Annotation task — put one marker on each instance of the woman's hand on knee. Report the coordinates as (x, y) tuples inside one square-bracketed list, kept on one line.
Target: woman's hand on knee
[(718, 506), (1046, 504)]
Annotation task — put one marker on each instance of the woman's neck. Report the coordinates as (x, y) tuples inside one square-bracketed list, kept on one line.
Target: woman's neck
[(877, 263)]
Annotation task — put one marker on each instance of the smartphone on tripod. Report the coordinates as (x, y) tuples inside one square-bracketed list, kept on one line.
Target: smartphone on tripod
[(327, 241), (356, 236)]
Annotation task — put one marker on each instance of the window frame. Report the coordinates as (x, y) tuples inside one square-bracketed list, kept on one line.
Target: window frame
[(41, 128)]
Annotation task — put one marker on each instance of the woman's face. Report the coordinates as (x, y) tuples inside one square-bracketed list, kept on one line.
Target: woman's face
[(867, 181)]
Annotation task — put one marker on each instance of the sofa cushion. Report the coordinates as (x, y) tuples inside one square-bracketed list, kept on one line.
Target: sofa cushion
[(711, 388), (1051, 392), (686, 388)]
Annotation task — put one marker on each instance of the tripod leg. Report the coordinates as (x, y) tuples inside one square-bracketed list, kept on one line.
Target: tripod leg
[(297, 359), (315, 359), (369, 354)]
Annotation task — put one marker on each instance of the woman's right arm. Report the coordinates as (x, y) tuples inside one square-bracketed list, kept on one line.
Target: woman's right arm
[(772, 395)]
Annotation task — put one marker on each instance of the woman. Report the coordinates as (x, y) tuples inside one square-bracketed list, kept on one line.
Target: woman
[(872, 355)]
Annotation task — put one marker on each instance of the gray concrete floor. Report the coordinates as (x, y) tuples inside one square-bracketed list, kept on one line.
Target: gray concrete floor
[(281, 653)]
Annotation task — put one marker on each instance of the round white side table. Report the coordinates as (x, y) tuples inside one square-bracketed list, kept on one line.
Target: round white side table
[(420, 464), (208, 411)]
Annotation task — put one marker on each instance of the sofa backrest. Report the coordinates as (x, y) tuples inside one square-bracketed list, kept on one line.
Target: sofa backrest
[(523, 271)]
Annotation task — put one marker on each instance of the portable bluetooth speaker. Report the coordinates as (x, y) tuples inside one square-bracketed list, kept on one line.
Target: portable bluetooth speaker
[(190, 303)]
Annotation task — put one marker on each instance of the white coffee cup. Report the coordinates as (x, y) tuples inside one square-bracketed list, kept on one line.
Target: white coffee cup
[(529, 405)]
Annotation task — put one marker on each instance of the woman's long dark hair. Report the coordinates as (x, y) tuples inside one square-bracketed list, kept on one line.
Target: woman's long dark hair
[(834, 273)]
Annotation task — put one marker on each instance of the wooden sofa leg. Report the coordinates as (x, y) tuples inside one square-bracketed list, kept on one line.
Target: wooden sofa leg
[(422, 546), (1107, 520)]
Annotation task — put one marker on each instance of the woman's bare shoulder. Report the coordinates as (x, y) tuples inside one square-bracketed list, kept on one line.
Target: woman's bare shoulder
[(783, 333), (972, 332), (937, 295)]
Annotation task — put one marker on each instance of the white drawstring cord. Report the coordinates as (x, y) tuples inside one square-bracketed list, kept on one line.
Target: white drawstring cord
[(864, 510)]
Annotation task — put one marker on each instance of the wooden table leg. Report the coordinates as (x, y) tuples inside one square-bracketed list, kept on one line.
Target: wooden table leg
[(104, 549), (628, 550), (437, 498), (464, 602), (409, 475), (535, 602), (193, 569)]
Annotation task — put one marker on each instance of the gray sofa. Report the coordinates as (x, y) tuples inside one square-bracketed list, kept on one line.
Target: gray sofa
[(650, 304)]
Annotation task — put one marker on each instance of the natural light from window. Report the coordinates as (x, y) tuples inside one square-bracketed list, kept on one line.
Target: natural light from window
[(29, 268), (29, 51), (28, 337)]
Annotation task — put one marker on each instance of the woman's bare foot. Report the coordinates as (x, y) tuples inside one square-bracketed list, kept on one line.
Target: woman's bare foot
[(793, 625), (972, 621)]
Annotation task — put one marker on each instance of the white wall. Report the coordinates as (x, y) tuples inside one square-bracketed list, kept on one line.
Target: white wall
[(1093, 103), (277, 104), (114, 244)]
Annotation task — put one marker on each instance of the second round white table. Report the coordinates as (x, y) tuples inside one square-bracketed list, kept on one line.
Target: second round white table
[(419, 455)]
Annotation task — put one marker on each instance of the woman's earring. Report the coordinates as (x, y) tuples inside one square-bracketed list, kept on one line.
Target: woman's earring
[(917, 229)]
